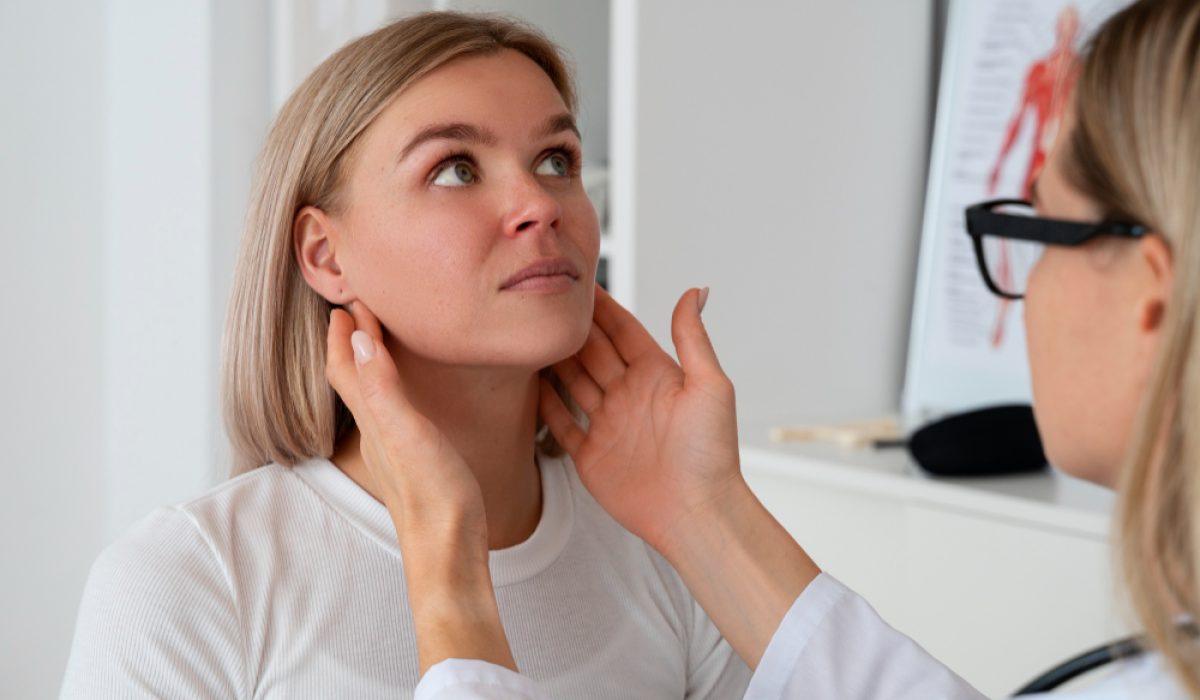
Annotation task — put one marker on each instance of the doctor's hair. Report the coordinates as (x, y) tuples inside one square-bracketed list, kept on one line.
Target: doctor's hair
[(277, 404), (1136, 151)]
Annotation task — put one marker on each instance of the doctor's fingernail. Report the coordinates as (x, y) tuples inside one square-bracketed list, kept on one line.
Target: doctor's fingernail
[(364, 346), (702, 299)]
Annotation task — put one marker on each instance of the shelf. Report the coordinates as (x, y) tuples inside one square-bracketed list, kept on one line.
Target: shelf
[(1049, 499)]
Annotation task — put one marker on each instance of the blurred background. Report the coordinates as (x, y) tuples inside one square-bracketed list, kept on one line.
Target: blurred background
[(774, 151)]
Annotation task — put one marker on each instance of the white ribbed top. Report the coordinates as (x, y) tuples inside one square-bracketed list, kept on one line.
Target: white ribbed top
[(288, 583)]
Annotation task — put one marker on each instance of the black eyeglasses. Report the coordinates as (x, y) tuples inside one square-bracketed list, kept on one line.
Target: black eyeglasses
[(1010, 237)]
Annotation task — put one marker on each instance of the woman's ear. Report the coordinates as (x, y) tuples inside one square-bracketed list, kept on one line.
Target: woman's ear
[(314, 242), (1155, 255)]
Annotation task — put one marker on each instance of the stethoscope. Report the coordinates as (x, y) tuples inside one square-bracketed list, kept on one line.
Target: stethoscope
[(1120, 650)]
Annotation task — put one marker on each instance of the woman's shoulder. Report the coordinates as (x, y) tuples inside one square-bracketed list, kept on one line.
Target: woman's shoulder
[(170, 587), (181, 537), (259, 485), (197, 533), (156, 596)]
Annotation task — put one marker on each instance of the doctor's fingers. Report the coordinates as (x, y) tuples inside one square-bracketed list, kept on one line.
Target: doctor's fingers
[(361, 370), (583, 389), (559, 420), (628, 336), (601, 359), (340, 370), (692, 344), (381, 387)]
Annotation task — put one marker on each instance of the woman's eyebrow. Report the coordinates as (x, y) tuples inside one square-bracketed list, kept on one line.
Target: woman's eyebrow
[(454, 131), (470, 133), (557, 124)]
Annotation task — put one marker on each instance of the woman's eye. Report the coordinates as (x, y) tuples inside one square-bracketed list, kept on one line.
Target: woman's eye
[(555, 164), (457, 174)]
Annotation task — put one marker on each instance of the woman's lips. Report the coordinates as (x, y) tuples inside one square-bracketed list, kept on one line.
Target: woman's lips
[(551, 274)]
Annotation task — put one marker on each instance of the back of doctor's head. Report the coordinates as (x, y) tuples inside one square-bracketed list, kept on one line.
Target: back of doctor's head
[(278, 406), (1136, 151)]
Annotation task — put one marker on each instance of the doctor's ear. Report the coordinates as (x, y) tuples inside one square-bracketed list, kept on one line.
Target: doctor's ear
[(314, 243), (1159, 280)]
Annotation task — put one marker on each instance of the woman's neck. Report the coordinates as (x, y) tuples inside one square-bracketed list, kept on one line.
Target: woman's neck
[(490, 416)]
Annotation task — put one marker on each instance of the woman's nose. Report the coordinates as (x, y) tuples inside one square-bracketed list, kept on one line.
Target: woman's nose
[(532, 208)]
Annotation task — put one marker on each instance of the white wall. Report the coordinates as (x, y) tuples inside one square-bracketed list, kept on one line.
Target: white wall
[(126, 145), (188, 107), (157, 258), (240, 111), (780, 159), (52, 169), (580, 28)]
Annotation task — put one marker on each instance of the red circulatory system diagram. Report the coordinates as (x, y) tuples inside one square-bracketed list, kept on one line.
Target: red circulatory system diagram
[(1048, 85)]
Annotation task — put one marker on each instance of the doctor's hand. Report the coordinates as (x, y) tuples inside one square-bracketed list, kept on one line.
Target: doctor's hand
[(660, 454), (430, 492), (402, 449), (661, 445)]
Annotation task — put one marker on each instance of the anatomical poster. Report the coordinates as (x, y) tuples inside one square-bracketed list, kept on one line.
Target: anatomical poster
[(1008, 68)]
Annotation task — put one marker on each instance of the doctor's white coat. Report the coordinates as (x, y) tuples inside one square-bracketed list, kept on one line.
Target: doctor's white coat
[(831, 645)]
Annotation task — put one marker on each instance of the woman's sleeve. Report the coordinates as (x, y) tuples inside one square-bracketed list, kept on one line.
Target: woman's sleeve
[(157, 619), (832, 644)]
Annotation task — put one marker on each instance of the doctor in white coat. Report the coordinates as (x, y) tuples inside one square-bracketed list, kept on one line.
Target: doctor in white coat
[(1112, 314)]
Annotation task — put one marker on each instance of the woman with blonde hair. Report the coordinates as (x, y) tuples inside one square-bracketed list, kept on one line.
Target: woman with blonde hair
[(1113, 326), (418, 238)]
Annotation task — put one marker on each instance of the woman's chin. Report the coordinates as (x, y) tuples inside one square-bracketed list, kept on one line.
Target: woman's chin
[(558, 347), (529, 349), (558, 343)]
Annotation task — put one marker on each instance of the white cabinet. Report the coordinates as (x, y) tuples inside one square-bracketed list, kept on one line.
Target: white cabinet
[(1000, 578)]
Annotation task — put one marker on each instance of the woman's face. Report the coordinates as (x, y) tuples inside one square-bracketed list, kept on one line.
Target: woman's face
[(465, 227), (1090, 333)]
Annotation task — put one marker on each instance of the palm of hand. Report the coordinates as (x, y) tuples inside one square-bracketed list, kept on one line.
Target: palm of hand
[(660, 442), (652, 445)]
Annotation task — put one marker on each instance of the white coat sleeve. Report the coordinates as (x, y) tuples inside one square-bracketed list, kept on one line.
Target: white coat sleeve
[(832, 644), (472, 679)]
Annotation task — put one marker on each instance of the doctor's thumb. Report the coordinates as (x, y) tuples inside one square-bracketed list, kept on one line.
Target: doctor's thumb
[(692, 344)]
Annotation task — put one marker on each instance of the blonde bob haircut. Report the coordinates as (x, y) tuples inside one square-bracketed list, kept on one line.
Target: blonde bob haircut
[(278, 406), (1136, 151)]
